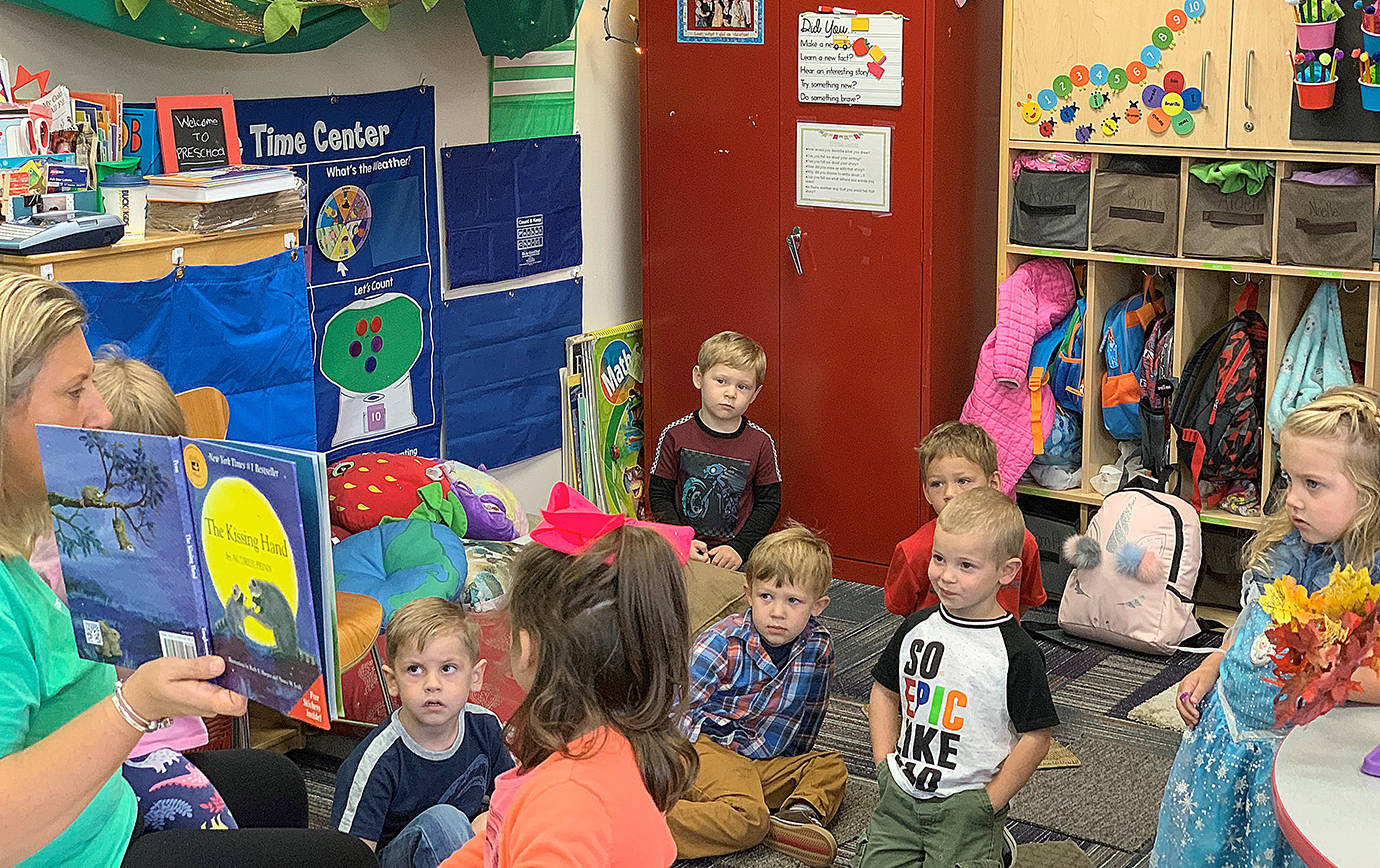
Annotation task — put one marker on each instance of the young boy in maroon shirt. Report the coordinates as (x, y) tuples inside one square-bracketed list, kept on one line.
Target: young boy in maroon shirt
[(715, 470)]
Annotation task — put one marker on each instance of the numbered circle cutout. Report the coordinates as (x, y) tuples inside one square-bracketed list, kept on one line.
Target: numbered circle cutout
[(1046, 99), (1136, 71), (1062, 85), (1079, 75), (1116, 79), (1176, 20), (1150, 56), (1194, 8), (1097, 74), (1161, 37)]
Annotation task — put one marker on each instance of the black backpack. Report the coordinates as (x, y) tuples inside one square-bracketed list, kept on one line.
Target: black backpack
[(1219, 406)]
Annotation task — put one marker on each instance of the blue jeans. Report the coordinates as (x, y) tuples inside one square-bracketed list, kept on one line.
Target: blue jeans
[(428, 840)]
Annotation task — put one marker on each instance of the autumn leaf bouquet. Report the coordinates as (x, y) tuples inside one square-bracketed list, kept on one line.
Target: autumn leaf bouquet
[(1320, 640)]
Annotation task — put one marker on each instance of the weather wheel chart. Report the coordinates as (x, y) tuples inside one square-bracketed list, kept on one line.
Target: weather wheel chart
[(1136, 91), (342, 224)]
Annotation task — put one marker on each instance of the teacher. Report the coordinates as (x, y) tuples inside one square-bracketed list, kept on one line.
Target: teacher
[(66, 724)]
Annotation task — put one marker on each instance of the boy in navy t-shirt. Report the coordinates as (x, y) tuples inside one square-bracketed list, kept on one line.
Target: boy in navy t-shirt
[(413, 786)]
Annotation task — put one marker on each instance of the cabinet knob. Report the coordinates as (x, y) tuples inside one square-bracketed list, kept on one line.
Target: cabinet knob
[(1250, 127)]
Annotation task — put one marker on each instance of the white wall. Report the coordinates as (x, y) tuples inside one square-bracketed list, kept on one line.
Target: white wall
[(438, 45)]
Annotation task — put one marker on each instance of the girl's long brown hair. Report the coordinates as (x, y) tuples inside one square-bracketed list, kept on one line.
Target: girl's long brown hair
[(611, 629)]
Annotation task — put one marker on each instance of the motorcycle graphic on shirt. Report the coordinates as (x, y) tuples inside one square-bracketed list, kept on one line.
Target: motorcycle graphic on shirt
[(711, 492)]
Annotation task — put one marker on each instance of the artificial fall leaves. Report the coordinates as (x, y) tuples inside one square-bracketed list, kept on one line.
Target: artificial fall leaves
[(1320, 641)]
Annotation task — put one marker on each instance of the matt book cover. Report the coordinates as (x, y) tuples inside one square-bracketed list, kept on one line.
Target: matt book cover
[(178, 547)]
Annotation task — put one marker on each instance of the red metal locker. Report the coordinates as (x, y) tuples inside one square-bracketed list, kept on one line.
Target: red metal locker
[(875, 342)]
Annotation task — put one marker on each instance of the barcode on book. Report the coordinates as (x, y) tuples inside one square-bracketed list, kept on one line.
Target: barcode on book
[(177, 645), (92, 630)]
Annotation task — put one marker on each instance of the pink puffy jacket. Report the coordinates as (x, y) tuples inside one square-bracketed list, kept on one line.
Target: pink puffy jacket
[(1029, 303)]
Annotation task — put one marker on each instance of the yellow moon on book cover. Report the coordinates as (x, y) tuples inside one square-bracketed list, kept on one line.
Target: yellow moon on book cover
[(250, 544)]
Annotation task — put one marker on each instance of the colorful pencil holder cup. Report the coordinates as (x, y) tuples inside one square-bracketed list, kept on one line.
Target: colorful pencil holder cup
[(1370, 96), (1370, 41), (1316, 94), (1315, 37)]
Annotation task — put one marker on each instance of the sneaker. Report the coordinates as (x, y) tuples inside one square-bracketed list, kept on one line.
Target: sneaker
[(797, 833)]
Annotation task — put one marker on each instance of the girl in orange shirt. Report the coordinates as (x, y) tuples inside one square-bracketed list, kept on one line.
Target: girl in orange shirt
[(600, 643)]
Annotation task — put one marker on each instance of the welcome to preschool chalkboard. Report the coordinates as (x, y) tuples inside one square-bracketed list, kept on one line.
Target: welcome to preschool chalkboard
[(197, 132)]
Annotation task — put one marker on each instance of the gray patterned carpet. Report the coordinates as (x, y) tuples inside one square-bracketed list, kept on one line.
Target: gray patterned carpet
[(1104, 809)]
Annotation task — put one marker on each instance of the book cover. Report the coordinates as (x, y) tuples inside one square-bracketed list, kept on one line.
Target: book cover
[(183, 547), (313, 499), (256, 577), (120, 512), (617, 354)]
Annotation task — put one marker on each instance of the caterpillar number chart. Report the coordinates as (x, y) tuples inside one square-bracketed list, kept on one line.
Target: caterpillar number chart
[(1099, 100)]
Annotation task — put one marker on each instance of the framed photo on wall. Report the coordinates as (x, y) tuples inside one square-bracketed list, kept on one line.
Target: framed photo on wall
[(724, 21)]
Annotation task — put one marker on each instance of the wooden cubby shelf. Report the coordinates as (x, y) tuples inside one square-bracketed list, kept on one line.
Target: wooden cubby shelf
[(1245, 116)]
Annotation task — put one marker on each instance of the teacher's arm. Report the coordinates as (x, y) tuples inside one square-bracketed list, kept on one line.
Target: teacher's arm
[(44, 787)]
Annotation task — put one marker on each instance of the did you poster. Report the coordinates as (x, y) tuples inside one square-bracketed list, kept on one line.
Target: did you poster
[(372, 242)]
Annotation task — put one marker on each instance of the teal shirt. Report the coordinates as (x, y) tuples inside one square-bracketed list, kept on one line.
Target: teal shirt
[(43, 685)]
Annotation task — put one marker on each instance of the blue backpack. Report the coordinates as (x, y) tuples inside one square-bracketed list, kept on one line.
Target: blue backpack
[(1123, 341), (1055, 362), (1066, 369)]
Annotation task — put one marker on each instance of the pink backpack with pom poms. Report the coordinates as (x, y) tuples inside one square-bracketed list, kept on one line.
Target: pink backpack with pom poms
[(1134, 573)]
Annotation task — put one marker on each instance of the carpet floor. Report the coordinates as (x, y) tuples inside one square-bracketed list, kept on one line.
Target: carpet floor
[(1094, 804)]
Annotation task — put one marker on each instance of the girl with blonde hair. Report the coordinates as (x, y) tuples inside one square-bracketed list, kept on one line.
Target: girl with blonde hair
[(1217, 807)]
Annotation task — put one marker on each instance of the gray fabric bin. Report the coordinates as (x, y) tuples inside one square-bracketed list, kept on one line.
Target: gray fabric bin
[(1136, 213), (1221, 225), (1050, 209), (1331, 225)]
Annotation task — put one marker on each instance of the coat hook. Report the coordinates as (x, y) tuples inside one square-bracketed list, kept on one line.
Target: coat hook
[(1241, 282)]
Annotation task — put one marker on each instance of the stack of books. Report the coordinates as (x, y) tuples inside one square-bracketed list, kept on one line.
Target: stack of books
[(231, 197), (601, 416)]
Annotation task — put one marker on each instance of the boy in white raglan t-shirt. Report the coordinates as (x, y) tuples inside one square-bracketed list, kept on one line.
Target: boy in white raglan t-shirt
[(960, 708)]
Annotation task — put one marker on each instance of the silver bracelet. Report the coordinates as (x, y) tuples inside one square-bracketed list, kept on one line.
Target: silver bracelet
[(132, 717)]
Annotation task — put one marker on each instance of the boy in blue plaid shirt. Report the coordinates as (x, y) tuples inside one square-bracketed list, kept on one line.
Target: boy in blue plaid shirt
[(759, 686)]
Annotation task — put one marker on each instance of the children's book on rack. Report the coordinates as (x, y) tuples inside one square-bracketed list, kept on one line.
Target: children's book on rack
[(173, 546), (602, 384)]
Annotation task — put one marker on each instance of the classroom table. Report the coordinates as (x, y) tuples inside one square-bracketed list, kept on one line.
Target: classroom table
[(1330, 811)]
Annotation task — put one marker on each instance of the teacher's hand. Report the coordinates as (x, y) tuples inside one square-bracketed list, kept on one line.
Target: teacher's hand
[(173, 687)]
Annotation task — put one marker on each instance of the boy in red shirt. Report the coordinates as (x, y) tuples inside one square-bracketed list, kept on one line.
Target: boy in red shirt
[(954, 457)]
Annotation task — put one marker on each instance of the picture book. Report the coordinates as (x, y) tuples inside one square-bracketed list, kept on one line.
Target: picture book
[(618, 358), (604, 436), (172, 546)]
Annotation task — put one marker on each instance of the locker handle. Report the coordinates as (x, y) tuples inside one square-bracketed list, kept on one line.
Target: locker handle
[(1202, 81), (1246, 95), (793, 245)]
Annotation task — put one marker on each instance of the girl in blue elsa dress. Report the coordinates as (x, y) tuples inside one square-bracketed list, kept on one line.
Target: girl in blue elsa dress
[(1218, 808)]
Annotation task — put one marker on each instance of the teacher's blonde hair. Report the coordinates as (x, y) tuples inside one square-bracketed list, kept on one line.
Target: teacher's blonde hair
[(35, 316)]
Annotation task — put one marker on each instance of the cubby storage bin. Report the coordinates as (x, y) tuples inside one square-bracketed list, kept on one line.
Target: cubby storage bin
[(1221, 225), (1326, 224), (1050, 209), (1136, 212)]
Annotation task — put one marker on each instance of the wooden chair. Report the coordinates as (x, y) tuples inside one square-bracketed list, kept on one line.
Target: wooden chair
[(206, 411)]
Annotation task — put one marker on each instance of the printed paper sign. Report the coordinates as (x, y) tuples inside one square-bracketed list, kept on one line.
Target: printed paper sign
[(850, 59), (843, 166)]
